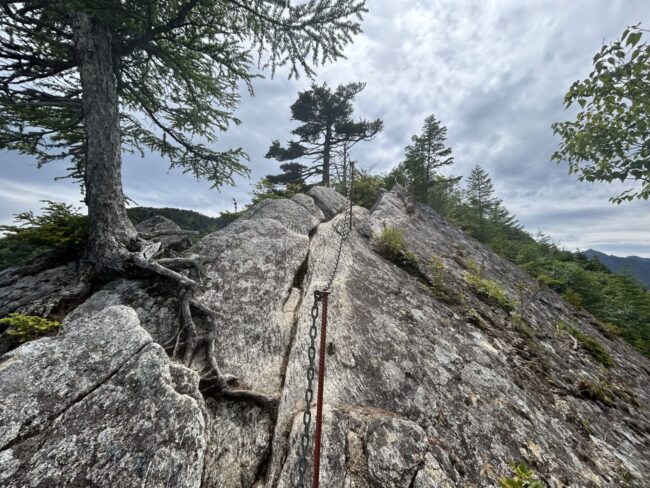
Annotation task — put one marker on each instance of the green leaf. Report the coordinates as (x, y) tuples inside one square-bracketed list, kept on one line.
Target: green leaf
[(633, 39)]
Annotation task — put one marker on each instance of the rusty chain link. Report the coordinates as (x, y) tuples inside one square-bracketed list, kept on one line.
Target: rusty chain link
[(305, 437), (309, 392)]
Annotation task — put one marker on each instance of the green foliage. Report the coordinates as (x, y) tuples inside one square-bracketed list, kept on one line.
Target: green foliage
[(60, 228), (179, 68), (615, 300), (595, 391), (522, 326), (391, 244), (28, 327), (590, 344), (573, 297), (366, 188), (491, 290), (484, 215), (436, 268), (523, 477), (610, 138), (265, 189), (420, 171)]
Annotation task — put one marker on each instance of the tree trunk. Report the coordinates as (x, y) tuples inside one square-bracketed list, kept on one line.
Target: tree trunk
[(110, 230), (326, 156)]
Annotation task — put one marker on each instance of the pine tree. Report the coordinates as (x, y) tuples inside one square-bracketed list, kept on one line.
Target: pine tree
[(480, 201), (327, 130), (426, 156), (83, 80), (421, 173)]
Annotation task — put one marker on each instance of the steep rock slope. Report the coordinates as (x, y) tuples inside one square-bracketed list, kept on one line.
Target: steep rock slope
[(433, 378)]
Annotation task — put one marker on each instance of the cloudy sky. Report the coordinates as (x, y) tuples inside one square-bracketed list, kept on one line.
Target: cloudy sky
[(494, 72)]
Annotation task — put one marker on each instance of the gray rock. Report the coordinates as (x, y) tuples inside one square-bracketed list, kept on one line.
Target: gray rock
[(158, 223), (328, 200), (296, 215), (154, 301), (423, 388), (96, 406), (38, 294), (395, 450)]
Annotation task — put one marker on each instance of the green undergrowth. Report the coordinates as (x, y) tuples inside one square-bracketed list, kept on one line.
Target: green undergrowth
[(435, 270), (61, 229), (595, 391), (588, 343), (26, 328), (488, 288), (391, 244), (523, 477), (522, 326), (604, 391)]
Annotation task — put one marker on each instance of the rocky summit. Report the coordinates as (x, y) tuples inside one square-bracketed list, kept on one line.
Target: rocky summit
[(446, 366)]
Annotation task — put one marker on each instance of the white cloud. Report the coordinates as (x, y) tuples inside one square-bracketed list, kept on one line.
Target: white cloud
[(494, 72)]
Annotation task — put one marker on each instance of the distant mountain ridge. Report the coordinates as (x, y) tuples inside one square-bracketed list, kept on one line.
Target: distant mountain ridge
[(637, 266)]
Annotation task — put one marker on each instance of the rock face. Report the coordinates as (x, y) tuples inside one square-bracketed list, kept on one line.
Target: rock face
[(96, 406), (161, 225), (431, 381)]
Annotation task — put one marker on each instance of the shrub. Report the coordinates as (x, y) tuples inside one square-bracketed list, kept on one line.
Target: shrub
[(523, 327), (490, 289), (392, 245), (61, 228), (590, 344), (599, 391), (436, 269), (573, 297), (524, 477), (26, 328)]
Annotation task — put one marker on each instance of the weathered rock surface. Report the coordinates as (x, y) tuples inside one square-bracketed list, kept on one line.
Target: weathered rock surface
[(328, 200), (162, 225), (39, 294), (96, 406), (429, 383)]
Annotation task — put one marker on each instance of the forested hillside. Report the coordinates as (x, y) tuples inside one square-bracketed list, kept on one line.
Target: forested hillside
[(634, 266), (62, 230)]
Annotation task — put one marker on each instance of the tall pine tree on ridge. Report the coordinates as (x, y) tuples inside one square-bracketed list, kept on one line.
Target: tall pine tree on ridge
[(327, 129), (78, 76)]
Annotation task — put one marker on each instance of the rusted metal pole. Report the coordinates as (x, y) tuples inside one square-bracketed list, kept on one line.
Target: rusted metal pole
[(319, 397), (351, 196)]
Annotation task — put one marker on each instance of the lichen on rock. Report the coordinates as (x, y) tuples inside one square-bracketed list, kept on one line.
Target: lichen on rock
[(422, 389)]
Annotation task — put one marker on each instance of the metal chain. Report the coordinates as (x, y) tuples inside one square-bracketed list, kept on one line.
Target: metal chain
[(309, 392), (344, 229), (305, 437)]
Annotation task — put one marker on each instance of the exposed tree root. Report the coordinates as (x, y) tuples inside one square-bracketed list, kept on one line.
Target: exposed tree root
[(144, 259), (187, 339)]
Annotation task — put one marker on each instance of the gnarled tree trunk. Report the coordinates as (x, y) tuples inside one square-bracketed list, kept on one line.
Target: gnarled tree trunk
[(327, 148), (110, 230)]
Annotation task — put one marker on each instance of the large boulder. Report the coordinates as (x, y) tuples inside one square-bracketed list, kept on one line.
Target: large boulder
[(166, 231), (96, 406), (328, 200)]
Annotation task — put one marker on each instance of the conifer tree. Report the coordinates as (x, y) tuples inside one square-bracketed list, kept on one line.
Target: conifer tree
[(488, 218), (82, 80), (480, 201), (421, 169), (426, 156), (326, 132)]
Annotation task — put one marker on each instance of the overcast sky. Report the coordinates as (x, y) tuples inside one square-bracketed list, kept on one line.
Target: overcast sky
[(494, 72)]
